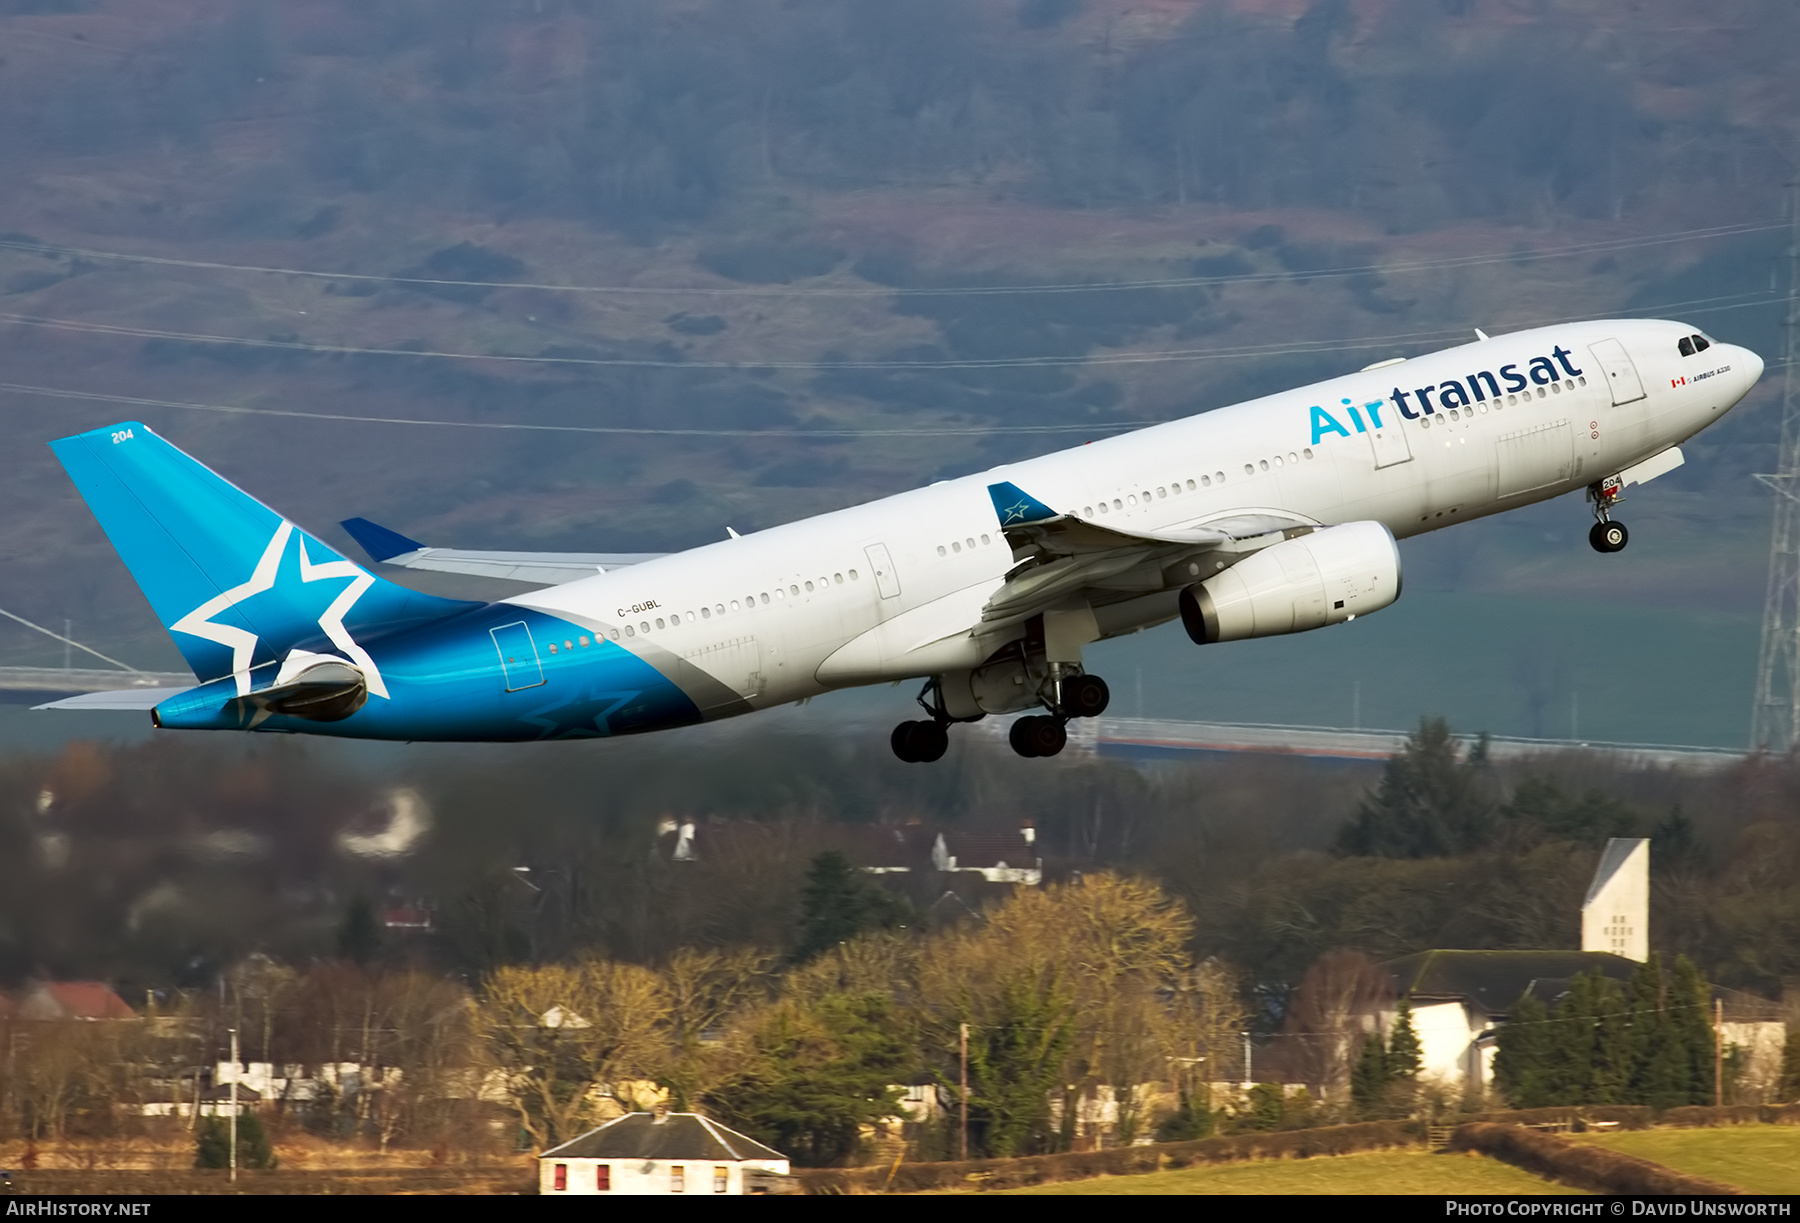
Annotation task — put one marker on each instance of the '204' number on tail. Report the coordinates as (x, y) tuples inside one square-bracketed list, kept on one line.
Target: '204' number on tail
[(123, 435)]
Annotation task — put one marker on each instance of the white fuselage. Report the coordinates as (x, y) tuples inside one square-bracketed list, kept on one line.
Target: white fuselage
[(895, 588)]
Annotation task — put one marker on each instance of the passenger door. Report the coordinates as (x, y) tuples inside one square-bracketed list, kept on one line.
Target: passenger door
[(886, 580), (518, 656), (1390, 445), (1621, 374)]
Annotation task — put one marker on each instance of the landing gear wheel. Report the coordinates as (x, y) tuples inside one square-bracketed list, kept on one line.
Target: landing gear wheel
[(1085, 696), (919, 742), (1609, 536), (1038, 736)]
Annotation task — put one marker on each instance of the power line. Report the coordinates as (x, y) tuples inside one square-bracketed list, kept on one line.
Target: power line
[(1731, 301), (1599, 246), (979, 430)]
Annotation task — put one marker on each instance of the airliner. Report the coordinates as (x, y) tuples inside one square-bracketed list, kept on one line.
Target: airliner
[(1278, 515)]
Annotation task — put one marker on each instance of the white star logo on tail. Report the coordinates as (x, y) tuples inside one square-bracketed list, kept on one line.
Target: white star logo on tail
[(242, 642)]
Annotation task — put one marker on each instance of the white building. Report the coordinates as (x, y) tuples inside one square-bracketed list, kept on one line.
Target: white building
[(1460, 997), (1615, 917), (662, 1153)]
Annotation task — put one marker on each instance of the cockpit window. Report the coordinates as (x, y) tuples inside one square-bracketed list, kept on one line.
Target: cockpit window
[(1701, 343), (1686, 345)]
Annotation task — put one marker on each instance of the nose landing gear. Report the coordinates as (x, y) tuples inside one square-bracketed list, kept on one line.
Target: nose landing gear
[(1607, 535)]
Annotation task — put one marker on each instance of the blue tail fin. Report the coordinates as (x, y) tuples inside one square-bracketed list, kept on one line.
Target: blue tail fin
[(236, 585)]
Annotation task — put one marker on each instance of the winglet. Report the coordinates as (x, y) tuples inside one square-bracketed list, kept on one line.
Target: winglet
[(1016, 507), (379, 542)]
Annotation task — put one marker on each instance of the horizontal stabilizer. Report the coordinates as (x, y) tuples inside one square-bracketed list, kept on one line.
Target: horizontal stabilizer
[(538, 568), (139, 699)]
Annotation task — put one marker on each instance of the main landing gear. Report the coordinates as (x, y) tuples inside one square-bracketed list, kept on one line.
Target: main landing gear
[(1607, 535), (1078, 696)]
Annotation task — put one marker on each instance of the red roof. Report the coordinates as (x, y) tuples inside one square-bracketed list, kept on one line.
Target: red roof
[(74, 1000)]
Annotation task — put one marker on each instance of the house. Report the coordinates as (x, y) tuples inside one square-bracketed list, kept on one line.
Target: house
[(82, 1000), (1459, 997), (996, 857), (662, 1153)]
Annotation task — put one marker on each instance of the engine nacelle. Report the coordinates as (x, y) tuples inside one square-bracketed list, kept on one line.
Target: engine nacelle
[(1324, 577)]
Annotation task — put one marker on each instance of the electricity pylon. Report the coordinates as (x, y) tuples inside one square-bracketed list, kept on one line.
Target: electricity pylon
[(1775, 719)]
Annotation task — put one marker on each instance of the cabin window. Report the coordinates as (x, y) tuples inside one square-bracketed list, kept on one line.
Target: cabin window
[(1087, 511), (971, 544), (568, 645), (644, 626), (734, 605), (1191, 483), (1582, 381), (603, 1178), (1131, 500), (706, 613), (1292, 457), (985, 541), (1307, 452), (853, 575), (1277, 461), (615, 634), (719, 609), (1175, 488), (1556, 388), (765, 596), (823, 581), (1219, 476), (750, 601), (1454, 415), (955, 547), (561, 1181), (809, 585), (1425, 422), (1264, 464), (1162, 492), (839, 577), (1206, 480), (553, 647), (1249, 469), (1540, 392), (677, 1179), (1118, 504), (659, 622), (584, 642), (942, 551), (778, 594)]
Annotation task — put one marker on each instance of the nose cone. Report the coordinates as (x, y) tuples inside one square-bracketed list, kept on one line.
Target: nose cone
[(1752, 367)]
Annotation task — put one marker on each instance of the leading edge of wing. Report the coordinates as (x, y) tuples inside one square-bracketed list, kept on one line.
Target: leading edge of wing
[(542, 568)]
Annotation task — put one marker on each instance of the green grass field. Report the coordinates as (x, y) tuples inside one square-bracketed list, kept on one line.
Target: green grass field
[(1757, 1158), (1406, 1172)]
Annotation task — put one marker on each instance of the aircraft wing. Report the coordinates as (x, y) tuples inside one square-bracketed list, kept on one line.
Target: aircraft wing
[(541, 568), (1063, 555)]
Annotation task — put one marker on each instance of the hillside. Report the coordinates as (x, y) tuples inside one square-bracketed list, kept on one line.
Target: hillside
[(763, 242)]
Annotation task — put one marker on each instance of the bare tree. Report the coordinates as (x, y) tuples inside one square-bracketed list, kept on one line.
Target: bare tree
[(569, 1039), (1324, 1016)]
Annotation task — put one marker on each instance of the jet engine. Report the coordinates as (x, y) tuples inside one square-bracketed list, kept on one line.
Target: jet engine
[(1324, 577)]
